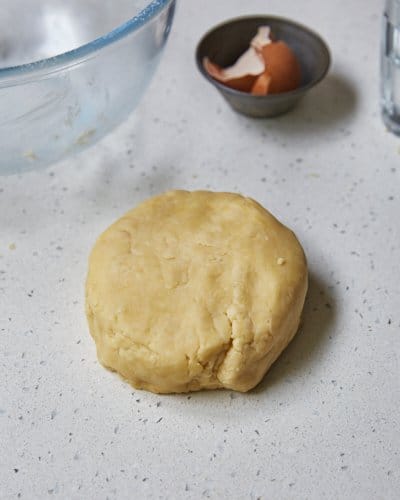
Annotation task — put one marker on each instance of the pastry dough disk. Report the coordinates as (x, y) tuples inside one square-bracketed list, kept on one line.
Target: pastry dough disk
[(195, 290)]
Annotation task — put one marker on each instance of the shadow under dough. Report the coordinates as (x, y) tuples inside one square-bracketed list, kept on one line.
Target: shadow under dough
[(317, 321)]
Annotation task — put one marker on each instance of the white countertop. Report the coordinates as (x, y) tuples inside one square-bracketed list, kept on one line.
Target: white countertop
[(324, 424)]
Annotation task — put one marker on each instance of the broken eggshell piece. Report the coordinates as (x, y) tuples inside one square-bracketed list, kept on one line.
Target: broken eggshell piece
[(267, 67), (261, 85), (240, 76), (263, 38), (282, 66)]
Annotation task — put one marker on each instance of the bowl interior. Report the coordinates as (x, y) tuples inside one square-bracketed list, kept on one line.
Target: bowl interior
[(225, 43), (31, 30), (59, 106)]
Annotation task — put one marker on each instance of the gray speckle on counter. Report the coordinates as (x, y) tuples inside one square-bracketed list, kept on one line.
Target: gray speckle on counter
[(325, 422)]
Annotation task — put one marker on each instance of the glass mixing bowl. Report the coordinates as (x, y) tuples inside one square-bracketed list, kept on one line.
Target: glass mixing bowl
[(72, 70)]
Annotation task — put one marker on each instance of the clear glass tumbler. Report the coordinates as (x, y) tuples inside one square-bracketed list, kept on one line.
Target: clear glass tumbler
[(390, 66)]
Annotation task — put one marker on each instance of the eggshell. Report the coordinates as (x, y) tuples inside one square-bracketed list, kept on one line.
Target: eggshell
[(261, 85), (267, 67), (283, 67), (241, 75), (243, 83)]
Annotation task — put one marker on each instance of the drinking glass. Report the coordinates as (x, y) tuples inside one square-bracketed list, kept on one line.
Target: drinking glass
[(390, 66)]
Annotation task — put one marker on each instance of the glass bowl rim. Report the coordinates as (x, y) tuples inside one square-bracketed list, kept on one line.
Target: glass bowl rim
[(74, 56)]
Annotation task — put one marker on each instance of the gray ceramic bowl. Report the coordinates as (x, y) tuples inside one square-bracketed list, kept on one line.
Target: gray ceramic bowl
[(226, 42)]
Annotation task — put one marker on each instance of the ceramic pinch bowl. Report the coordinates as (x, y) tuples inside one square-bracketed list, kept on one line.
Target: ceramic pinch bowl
[(225, 43)]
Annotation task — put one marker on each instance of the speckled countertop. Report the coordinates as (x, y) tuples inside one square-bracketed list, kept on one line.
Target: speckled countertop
[(325, 422)]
